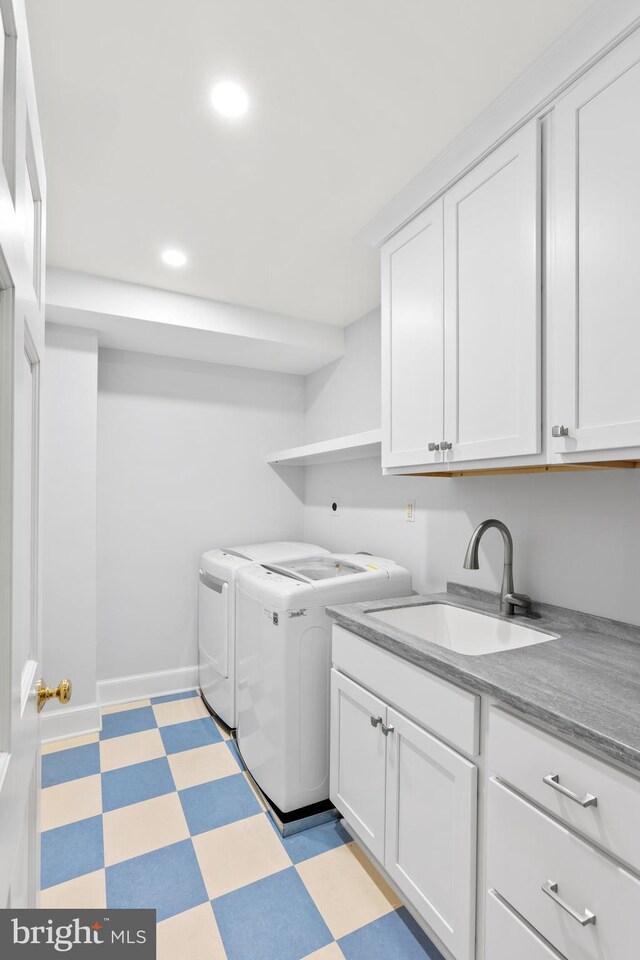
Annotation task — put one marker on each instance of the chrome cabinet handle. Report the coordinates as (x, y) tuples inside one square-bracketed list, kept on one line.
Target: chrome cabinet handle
[(375, 721), (387, 729), (559, 431), (445, 446), (550, 887), (433, 446), (553, 780)]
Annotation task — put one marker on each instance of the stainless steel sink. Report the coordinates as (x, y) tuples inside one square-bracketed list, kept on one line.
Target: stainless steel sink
[(463, 631)]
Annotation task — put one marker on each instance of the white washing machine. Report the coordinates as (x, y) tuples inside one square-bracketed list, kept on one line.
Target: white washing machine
[(217, 620), (284, 651)]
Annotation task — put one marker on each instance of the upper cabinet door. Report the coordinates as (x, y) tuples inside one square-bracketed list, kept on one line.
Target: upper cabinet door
[(412, 342), (596, 286), (492, 304)]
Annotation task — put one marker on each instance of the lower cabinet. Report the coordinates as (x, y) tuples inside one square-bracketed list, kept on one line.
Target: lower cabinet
[(412, 801), (358, 760), (509, 937)]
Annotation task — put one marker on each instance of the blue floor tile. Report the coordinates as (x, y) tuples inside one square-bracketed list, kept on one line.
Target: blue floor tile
[(271, 919), (71, 851), (65, 765), (395, 936), (309, 843), (127, 721), (167, 880), (175, 696), (140, 781), (185, 736), (214, 804), (233, 746)]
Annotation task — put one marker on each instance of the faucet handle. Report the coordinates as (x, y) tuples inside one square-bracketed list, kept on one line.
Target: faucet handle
[(519, 600)]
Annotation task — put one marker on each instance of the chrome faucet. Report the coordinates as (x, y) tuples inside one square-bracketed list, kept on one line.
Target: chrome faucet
[(509, 599)]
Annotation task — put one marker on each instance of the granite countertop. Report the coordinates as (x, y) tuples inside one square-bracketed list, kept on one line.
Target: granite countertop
[(585, 685)]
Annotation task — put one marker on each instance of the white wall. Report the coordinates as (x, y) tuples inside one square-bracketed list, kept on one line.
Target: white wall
[(344, 396), (577, 535), (69, 516), (181, 469)]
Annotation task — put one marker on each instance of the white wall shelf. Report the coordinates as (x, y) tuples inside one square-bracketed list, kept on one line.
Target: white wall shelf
[(357, 446)]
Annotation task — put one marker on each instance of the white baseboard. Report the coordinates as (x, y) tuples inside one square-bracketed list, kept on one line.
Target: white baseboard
[(69, 722), (144, 685)]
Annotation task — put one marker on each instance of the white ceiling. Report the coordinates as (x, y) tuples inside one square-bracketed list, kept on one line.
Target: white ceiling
[(350, 99)]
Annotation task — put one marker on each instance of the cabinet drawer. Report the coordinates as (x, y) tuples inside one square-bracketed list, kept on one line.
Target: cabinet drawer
[(507, 937), (523, 756), (448, 711), (526, 850)]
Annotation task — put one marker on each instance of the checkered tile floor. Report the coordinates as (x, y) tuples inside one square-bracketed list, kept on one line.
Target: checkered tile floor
[(155, 811)]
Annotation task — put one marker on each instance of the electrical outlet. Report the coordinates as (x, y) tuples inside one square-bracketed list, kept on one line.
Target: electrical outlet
[(410, 511), (334, 508)]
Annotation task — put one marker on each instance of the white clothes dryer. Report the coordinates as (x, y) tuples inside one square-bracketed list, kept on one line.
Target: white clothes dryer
[(216, 616)]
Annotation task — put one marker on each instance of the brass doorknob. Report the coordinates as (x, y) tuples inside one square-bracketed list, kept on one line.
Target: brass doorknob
[(62, 692)]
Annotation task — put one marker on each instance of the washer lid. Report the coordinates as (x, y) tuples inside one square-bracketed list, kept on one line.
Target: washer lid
[(312, 569), (274, 550)]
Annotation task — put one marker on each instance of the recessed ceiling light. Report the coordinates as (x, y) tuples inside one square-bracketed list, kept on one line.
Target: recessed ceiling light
[(230, 99), (174, 258)]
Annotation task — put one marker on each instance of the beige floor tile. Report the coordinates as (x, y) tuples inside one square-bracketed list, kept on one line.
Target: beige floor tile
[(81, 893), (69, 743), (331, 952), (119, 707), (346, 889), (66, 802), (193, 934), (179, 711), (141, 827), (190, 767), (132, 748), (239, 853)]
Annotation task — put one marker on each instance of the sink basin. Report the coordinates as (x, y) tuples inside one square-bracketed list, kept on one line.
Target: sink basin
[(463, 631)]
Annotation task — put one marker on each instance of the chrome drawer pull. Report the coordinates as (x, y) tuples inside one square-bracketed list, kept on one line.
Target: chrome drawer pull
[(375, 721), (433, 446), (552, 780), (551, 890), (387, 729)]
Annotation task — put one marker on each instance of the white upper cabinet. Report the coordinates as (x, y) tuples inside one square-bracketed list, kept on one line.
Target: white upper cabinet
[(492, 304), (595, 305), (413, 342), (461, 319)]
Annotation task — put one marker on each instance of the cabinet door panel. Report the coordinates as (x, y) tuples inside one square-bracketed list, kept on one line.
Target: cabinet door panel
[(492, 304), (596, 290), (430, 849), (358, 760), (412, 342)]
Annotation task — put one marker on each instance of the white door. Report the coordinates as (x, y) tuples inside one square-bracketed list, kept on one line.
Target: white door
[(431, 831), (492, 304), (412, 342), (358, 759), (596, 288), (21, 350)]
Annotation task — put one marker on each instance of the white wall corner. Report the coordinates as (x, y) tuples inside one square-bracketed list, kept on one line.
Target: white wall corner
[(141, 686)]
